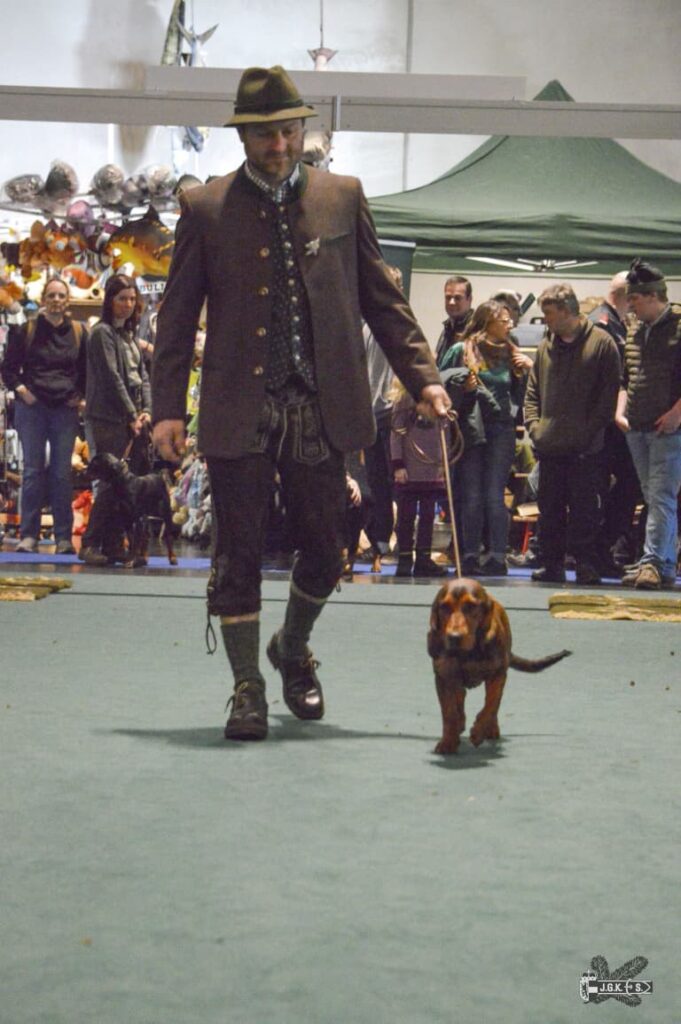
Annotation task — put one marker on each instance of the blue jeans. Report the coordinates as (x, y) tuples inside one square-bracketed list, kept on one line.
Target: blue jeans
[(38, 425), (657, 458), (484, 472)]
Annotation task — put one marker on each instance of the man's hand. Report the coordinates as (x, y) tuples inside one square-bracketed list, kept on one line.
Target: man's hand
[(519, 361), (400, 476), (169, 439), (433, 402), (354, 493), (670, 421), (26, 396), (622, 422)]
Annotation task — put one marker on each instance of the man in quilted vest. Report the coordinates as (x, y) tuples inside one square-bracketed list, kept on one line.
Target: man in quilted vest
[(649, 414)]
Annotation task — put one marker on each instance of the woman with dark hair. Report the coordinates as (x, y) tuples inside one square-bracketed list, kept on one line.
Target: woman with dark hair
[(497, 372), (45, 368), (117, 409)]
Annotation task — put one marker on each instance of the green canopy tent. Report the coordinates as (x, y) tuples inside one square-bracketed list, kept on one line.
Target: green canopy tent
[(555, 199)]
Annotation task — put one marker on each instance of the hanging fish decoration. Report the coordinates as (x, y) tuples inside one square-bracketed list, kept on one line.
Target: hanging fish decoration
[(183, 47), (146, 243)]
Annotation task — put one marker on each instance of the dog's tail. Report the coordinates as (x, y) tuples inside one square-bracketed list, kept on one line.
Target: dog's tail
[(537, 664)]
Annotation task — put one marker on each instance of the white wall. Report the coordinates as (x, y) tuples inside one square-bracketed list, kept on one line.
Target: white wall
[(611, 50)]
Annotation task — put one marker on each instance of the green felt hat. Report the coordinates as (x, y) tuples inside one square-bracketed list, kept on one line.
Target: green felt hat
[(267, 94)]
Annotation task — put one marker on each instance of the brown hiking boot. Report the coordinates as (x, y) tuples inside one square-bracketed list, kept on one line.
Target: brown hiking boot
[(248, 718)]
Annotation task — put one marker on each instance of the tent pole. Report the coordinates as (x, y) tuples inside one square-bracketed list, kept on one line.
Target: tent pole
[(409, 56)]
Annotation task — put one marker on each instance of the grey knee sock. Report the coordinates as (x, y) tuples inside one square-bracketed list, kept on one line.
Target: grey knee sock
[(242, 644), (302, 612)]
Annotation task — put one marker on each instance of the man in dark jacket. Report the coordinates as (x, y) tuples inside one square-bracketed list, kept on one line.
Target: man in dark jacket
[(288, 261), (621, 491), (649, 414), (459, 310), (570, 399)]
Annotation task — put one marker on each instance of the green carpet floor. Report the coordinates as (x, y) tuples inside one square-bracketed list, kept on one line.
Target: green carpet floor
[(339, 873)]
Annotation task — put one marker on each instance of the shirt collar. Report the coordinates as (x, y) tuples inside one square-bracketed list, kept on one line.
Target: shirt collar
[(279, 192), (660, 317)]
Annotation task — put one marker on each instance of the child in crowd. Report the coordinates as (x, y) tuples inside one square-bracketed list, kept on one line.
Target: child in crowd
[(416, 456)]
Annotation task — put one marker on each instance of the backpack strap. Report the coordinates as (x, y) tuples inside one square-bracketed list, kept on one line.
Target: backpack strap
[(31, 326)]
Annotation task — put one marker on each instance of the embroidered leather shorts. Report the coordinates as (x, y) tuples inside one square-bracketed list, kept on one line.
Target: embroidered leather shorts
[(290, 439), (295, 419)]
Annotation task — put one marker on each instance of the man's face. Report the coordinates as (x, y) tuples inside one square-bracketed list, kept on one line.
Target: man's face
[(274, 149), (645, 307), (559, 320), (456, 303)]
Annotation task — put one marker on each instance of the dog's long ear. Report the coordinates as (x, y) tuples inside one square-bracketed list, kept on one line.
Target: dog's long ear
[(489, 627), (435, 645)]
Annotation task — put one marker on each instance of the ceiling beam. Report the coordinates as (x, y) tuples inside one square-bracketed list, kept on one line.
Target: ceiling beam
[(406, 103)]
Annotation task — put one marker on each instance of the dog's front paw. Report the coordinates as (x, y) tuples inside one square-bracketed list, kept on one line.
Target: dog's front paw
[(484, 729), (447, 746)]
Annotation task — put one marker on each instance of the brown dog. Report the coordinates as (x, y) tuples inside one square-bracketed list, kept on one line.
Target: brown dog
[(470, 643)]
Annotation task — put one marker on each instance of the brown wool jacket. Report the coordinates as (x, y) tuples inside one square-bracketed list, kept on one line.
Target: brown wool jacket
[(223, 254)]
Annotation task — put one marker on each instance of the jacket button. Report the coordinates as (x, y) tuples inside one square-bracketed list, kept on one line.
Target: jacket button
[(258, 371), (261, 332), (263, 290), (264, 253), (262, 214)]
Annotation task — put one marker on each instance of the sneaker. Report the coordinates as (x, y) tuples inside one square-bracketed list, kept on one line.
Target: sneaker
[(527, 561), (549, 574), (648, 577), (248, 717), (494, 567), (629, 577), (27, 546), (64, 547)]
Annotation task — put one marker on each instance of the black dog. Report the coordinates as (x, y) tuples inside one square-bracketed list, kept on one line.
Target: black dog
[(137, 497)]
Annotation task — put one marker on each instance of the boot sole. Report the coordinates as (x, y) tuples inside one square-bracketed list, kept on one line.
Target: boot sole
[(256, 731)]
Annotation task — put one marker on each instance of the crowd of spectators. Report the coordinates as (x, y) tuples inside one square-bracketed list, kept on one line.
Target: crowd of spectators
[(596, 411)]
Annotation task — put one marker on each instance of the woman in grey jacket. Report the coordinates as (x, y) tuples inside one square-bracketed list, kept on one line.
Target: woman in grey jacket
[(117, 409)]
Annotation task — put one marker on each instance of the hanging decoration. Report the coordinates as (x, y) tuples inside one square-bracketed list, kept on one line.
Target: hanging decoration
[(318, 144), (146, 244), (184, 47)]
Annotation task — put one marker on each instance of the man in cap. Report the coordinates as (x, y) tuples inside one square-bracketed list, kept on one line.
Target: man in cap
[(287, 258), (649, 413)]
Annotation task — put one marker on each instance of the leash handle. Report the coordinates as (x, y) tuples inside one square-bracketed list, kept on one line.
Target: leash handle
[(443, 423)]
